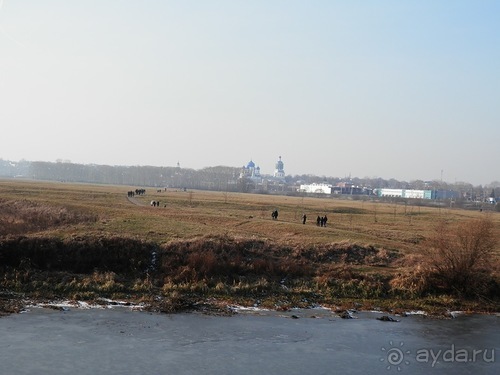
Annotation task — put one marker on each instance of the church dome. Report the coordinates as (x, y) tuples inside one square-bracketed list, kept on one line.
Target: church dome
[(251, 164)]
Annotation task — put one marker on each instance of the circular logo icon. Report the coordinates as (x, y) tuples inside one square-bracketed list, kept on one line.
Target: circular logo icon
[(394, 356)]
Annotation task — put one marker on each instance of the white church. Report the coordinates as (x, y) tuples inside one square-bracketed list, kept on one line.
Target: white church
[(252, 171)]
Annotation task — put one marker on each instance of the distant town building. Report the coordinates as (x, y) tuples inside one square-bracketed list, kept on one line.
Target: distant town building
[(257, 182), (251, 171), (346, 187), (444, 194), (417, 194), (394, 193), (279, 171), (316, 188)]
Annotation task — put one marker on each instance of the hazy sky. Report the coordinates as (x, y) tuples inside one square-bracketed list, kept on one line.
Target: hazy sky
[(393, 89)]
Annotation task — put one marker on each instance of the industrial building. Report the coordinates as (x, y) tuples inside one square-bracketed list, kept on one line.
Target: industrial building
[(417, 194)]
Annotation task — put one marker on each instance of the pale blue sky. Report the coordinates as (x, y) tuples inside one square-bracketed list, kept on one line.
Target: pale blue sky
[(394, 89)]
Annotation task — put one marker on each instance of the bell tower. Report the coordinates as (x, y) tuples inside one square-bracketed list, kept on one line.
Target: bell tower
[(279, 171)]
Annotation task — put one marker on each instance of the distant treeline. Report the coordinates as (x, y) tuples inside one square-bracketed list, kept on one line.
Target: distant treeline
[(219, 178), (216, 178)]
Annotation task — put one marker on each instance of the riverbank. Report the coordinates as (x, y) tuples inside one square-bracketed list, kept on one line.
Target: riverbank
[(212, 273), (224, 308), (434, 307)]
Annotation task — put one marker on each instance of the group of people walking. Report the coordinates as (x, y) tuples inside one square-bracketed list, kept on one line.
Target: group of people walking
[(320, 221)]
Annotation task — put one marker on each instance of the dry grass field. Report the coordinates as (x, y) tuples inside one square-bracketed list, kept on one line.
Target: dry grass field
[(199, 245)]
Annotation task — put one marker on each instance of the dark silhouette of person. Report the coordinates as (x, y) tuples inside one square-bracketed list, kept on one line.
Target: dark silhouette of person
[(304, 218), (318, 221)]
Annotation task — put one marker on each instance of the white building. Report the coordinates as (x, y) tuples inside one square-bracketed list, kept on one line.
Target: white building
[(403, 193), (416, 194), (316, 188), (390, 193)]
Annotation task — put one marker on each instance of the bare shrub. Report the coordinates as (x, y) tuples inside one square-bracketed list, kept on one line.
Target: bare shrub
[(461, 256)]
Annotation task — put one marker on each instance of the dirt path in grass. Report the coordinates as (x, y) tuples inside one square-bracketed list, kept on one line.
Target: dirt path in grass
[(135, 201)]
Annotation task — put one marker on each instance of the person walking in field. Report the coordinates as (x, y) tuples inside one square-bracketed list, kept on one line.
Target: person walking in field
[(304, 218)]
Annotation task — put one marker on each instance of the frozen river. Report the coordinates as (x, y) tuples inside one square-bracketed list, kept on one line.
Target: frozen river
[(121, 341)]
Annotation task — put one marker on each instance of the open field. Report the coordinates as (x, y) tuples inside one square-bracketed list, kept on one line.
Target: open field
[(81, 241)]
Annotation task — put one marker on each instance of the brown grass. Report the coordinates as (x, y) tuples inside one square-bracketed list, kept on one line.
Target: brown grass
[(90, 240), (20, 217)]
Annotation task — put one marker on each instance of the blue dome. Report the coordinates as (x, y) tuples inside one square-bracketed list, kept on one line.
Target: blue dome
[(251, 164)]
